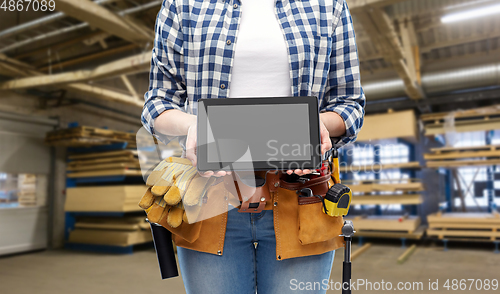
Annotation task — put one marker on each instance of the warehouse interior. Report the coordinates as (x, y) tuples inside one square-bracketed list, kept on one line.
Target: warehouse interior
[(424, 175)]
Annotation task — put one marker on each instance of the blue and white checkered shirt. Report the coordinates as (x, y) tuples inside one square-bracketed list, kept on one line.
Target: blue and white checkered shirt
[(192, 56)]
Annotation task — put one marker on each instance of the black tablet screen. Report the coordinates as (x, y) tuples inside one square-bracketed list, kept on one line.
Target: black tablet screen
[(249, 133)]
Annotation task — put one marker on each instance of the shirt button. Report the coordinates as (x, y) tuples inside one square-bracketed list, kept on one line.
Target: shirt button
[(228, 42), (222, 86), (235, 6)]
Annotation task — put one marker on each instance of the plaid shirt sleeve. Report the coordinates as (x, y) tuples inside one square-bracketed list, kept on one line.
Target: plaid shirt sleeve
[(167, 89), (343, 92)]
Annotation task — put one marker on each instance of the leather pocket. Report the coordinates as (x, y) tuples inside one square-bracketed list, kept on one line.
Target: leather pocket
[(315, 225), (188, 232)]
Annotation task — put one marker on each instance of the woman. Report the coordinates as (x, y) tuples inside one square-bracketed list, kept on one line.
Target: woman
[(254, 48)]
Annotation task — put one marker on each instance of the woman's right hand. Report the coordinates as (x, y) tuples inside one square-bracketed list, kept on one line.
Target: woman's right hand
[(191, 152)]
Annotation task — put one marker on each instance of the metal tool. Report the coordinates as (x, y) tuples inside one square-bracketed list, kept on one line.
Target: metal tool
[(347, 233)]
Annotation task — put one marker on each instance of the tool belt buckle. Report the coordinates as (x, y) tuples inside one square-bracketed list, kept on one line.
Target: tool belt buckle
[(253, 197)]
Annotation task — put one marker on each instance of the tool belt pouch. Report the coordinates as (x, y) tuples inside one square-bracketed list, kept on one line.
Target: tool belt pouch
[(252, 192), (313, 224), (188, 232)]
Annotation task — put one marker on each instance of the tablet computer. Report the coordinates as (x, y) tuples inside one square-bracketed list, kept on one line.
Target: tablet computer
[(277, 133)]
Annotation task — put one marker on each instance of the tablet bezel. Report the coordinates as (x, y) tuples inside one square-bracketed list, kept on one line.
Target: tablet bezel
[(314, 132)]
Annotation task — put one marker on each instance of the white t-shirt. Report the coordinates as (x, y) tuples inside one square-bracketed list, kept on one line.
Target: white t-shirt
[(260, 66)]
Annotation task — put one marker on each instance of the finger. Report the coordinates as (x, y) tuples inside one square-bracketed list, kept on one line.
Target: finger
[(206, 174), (298, 172), (190, 154), (306, 171), (174, 218), (147, 200), (191, 147), (220, 173), (326, 142), (289, 172)]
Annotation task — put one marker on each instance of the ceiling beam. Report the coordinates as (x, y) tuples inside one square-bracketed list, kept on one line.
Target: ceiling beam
[(129, 86), (100, 17), (132, 64), (105, 94), (97, 92), (356, 6), (411, 50), (89, 57), (381, 30), (460, 41)]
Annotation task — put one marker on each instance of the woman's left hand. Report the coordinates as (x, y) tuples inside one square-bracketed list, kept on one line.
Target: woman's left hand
[(326, 144)]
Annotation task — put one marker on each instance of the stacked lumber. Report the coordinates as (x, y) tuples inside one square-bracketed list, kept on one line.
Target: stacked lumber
[(377, 167), (26, 190), (111, 163), (382, 126), (464, 226), (123, 198), (111, 231), (84, 136), (385, 192), (478, 119), (463, 156)]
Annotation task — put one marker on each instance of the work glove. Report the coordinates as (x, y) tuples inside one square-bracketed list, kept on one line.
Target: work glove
[(175, 192)]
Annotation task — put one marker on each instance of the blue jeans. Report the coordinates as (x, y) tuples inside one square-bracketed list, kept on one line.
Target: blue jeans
[(244, 269)]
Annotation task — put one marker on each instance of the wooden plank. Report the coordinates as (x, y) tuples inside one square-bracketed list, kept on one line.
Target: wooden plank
[(127, 159), (416, 235), (103, 173), (386, 223), (460, 155), (470, 113), (133, 64), (104, 167), (107, 237), (462, 233), (404, 257), (458, 163), (122, 223), (379, 167), (382, 126), (380, 181), (375, 187), (387, 199), (439, 225), (97, 160), (464, 126), (465, 148), (360, 251), (464, 218), (99, 17), (104, 198), (103, 154)]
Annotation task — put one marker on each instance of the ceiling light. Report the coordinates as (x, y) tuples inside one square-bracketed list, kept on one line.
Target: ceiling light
[(473, 13)]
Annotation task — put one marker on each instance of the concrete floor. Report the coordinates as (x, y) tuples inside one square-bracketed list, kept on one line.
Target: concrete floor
[(53, 272)]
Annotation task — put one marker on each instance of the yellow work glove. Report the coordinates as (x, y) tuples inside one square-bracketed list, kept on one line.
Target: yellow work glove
[(174, 185)]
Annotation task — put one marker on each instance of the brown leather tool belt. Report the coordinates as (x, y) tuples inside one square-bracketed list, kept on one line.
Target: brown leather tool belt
[(254, 188)]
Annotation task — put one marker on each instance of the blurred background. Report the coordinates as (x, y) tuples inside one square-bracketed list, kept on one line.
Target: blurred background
[(423, 171)]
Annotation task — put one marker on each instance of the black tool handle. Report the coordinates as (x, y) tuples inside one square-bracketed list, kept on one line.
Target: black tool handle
[(162, 239), (346, 278), (346, 270)]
